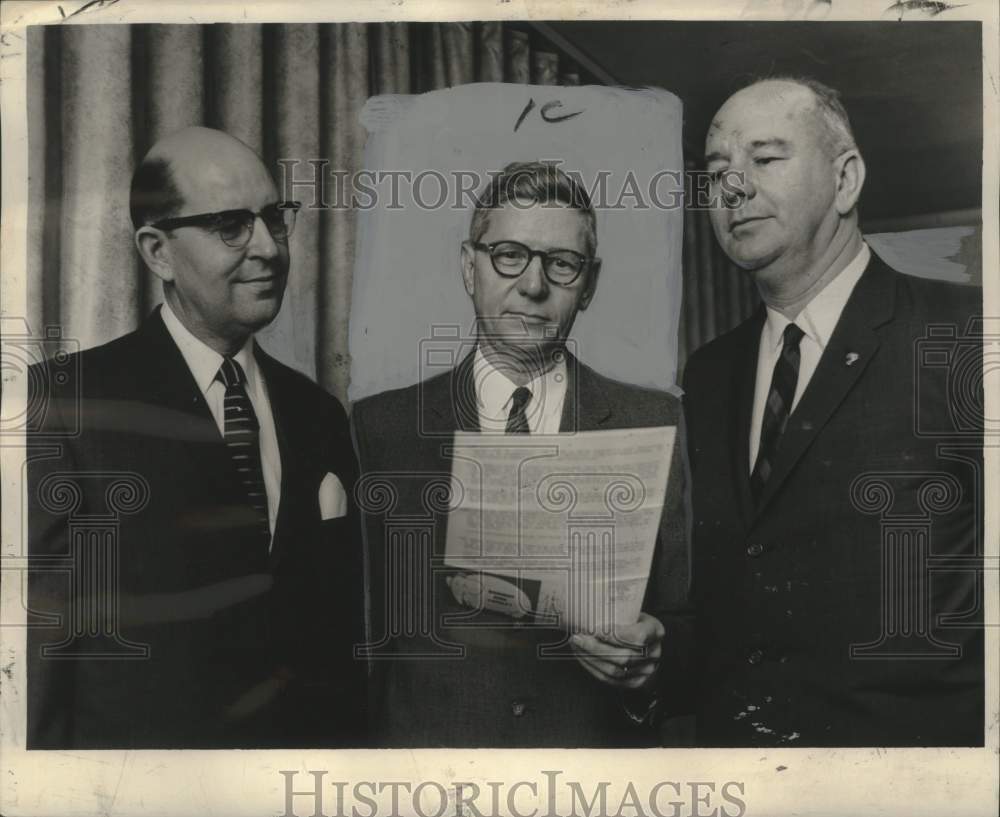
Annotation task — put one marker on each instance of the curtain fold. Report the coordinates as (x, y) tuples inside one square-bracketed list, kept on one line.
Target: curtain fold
[(167, 66), (545, 68), (717, 295), (392, 58), (42, 247), (173, 91), (295, 111), (345, 84), (95, 126), (458, 52), (100, 96), (517, 64), (234, 80), (491, 52)]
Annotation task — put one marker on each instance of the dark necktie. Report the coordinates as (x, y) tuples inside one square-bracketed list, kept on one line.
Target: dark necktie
[(777, 408), (242, 436), (517, 420)]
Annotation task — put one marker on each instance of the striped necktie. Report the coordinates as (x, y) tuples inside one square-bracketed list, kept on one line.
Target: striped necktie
[(517, 420), (777, 408), (242, 436)]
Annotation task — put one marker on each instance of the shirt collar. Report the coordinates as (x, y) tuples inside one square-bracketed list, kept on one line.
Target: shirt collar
[(494, 390), (202, 359), (819, 317)]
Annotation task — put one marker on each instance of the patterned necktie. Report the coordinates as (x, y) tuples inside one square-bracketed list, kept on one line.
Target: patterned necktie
[(242, 436), (777, 408), (517, 420)]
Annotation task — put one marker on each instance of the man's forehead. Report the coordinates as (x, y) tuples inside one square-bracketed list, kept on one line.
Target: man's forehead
[(223, 182), (526, 220), (768, 112)]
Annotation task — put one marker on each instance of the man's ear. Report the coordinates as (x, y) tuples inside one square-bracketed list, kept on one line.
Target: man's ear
[(592, 275), (155, 252), (850, 170), (468, 261)]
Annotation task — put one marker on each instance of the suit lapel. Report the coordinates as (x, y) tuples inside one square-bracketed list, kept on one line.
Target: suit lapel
[(871, 305), (744, 380), (588, 414), (293, 453), (171, 385), (164, 380), (167, 378), (449, 402)]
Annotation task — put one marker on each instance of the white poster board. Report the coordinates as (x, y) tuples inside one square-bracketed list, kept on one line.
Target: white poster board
[(428, 155)]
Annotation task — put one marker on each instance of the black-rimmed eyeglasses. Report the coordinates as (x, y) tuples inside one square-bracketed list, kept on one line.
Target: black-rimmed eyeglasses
[(511, 258), (235, 227)]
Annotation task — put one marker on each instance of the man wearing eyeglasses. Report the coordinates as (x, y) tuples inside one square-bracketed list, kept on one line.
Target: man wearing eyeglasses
[(233, 590), (529, 266)]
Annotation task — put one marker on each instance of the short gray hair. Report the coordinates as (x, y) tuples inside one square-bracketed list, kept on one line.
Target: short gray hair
[(537, 182), (833, 114)]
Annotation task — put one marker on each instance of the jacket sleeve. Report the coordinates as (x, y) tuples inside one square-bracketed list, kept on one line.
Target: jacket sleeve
[(373, 567), (668, 595), (52, 496)]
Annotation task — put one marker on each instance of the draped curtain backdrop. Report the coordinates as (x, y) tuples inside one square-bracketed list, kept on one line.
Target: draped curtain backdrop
[(718, 295), (100, 96)]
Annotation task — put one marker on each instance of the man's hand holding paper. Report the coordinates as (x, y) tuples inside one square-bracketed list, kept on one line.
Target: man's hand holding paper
[(628, 658)]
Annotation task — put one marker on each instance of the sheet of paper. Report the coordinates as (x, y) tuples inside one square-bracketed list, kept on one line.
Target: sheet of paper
[(560, 526)]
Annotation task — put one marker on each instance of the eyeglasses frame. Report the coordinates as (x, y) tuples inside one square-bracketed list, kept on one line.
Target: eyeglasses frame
[(209, 220), (585, 261)]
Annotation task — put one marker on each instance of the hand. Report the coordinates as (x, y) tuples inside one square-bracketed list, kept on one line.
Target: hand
[(628, 659)]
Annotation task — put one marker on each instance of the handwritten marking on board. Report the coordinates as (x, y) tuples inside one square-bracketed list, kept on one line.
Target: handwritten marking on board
[(545, 112), (524, 113)]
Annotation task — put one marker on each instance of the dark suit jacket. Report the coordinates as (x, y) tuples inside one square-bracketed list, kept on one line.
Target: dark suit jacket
[(500, 693), (218, 643), (820, 622)]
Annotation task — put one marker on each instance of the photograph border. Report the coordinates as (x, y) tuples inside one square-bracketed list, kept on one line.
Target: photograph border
[(772, 781)]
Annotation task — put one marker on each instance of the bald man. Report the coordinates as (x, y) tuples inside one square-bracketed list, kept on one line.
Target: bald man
[(837, 553), (218, 605)]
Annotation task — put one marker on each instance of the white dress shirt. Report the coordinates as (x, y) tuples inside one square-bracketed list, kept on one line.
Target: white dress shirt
[(204, 363), (495, 391), (817, 320)]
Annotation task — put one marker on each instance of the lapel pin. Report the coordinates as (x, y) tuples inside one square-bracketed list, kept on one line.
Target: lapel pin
[(851, 359)]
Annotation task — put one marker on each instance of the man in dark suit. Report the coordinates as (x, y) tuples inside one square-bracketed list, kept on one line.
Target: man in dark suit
[(529, 266), (195, 569), (836, 471)]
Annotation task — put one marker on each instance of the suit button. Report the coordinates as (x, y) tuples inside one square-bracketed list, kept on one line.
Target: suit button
[(517, 708), (754, 550), (755, 657)]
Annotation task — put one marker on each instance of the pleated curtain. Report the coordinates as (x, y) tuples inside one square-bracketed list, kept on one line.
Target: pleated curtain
[(717, 295), (100, 96)]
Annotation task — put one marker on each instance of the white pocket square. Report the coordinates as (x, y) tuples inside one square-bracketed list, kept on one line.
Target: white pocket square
[(332, 498)]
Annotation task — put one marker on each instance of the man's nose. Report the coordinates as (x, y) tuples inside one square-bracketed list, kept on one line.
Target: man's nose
[(739, 186), (532, 282), (262, 243)]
